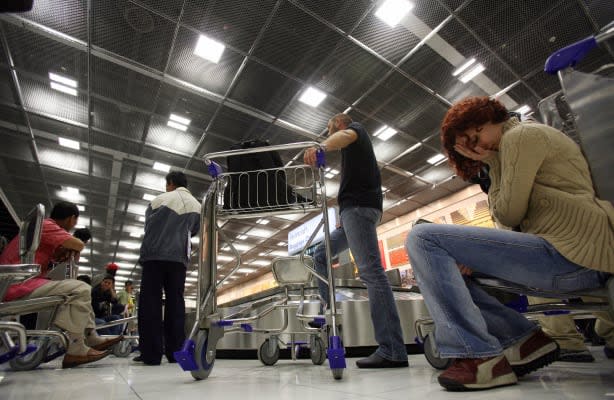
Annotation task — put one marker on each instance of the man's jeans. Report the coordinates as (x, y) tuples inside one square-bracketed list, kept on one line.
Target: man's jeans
[(360, 235), (470, 323)]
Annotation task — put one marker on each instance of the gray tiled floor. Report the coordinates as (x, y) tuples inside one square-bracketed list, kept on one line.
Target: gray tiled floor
[(119, 378)]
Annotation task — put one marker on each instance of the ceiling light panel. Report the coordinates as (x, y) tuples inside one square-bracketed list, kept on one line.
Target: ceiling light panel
[(463, 67), (71, 144), (209, 49), (158, 166), (472, 73), (435, 159), (393, 11), (312, 97)]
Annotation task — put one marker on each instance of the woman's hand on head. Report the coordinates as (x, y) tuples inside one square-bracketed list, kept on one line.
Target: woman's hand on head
[(477, 153)]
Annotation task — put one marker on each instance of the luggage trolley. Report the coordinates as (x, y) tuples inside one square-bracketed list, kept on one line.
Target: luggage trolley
[(258, 194), (584, 110)]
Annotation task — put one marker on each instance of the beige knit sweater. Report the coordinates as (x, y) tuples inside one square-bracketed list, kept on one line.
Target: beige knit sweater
[(541, 182)]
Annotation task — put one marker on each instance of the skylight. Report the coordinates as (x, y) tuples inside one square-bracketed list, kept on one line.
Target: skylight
[(393, 11), (209, 49), (148, 197), (312, 96), (71, 144)]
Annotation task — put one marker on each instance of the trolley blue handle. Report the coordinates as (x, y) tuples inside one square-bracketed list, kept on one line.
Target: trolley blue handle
[(320, 158), (569, 56), (214, 169)]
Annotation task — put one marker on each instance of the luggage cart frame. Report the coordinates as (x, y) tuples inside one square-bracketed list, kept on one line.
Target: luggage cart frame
[(198, 352)]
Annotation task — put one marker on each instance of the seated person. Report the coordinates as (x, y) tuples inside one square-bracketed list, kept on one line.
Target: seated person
[(540, 182), (75, 316), (104, 301)]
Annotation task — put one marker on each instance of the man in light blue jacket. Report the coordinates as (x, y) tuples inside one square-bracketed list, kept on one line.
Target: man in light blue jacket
[(171, 219)]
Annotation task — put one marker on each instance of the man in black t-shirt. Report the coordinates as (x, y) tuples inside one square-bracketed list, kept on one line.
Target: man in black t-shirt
[(360, 207)]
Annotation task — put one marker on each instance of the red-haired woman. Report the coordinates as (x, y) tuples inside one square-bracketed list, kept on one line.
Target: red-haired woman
[(540, 184)]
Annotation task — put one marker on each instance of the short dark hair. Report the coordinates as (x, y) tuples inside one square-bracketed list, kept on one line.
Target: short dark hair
[(63, 210), (128, 283), (108, 276), (83, 234), (177, 178), (342, 118)]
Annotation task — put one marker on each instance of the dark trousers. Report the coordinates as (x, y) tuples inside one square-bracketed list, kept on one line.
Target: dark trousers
[(156, 276)]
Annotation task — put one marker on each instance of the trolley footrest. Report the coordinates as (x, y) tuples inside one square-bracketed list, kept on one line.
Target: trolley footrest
[(335, 353), (185, 356)]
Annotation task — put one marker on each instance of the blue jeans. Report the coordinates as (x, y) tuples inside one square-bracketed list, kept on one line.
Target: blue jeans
[(360, 236), (468, 322), (112, 330)]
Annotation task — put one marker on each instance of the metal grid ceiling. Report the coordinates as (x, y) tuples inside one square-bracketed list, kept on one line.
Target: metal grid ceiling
[(134, 64)]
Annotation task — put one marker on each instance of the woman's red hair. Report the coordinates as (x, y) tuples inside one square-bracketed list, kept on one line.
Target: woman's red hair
[(470, 112)]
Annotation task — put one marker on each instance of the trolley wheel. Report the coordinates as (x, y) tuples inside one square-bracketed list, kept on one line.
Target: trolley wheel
[(265, 355), (34, 359), (337, 373), (122, 349), (318, 352), (432, 357), (205, 364)]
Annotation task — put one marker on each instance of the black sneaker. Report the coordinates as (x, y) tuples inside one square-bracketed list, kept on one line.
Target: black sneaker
[(376, 361)]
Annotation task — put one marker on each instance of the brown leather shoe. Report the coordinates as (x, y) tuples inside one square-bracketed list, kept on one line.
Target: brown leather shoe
[(108, 343), (71, 361)]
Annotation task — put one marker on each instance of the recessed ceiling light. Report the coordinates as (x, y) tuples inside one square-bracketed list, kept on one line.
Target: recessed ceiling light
[(312, 96), (142, 219), (83, 260), (148, 197), (63, 80), (80, 207), (262, 221), (72, 144), (64, 89), (71, 190), (393, 11), (209, 49), (472, 73), (177, 125), (281, 243), (385, 133), (180, 119), (463, 67), (435, 159), (246, 270), (136, 234), (161, 167), (242, 237)]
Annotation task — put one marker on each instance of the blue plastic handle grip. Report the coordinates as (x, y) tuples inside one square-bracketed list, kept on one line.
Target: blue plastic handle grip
[(569, 56), (320, 158), (214, 169)]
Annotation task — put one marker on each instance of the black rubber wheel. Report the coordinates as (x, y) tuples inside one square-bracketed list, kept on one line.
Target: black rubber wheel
[(264, 353), (203, 360), (34, 359), (432, 357), (318, 352), (337, 373)]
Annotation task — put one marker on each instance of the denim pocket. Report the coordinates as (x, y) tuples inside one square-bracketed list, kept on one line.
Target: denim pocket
[(583, 278)]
